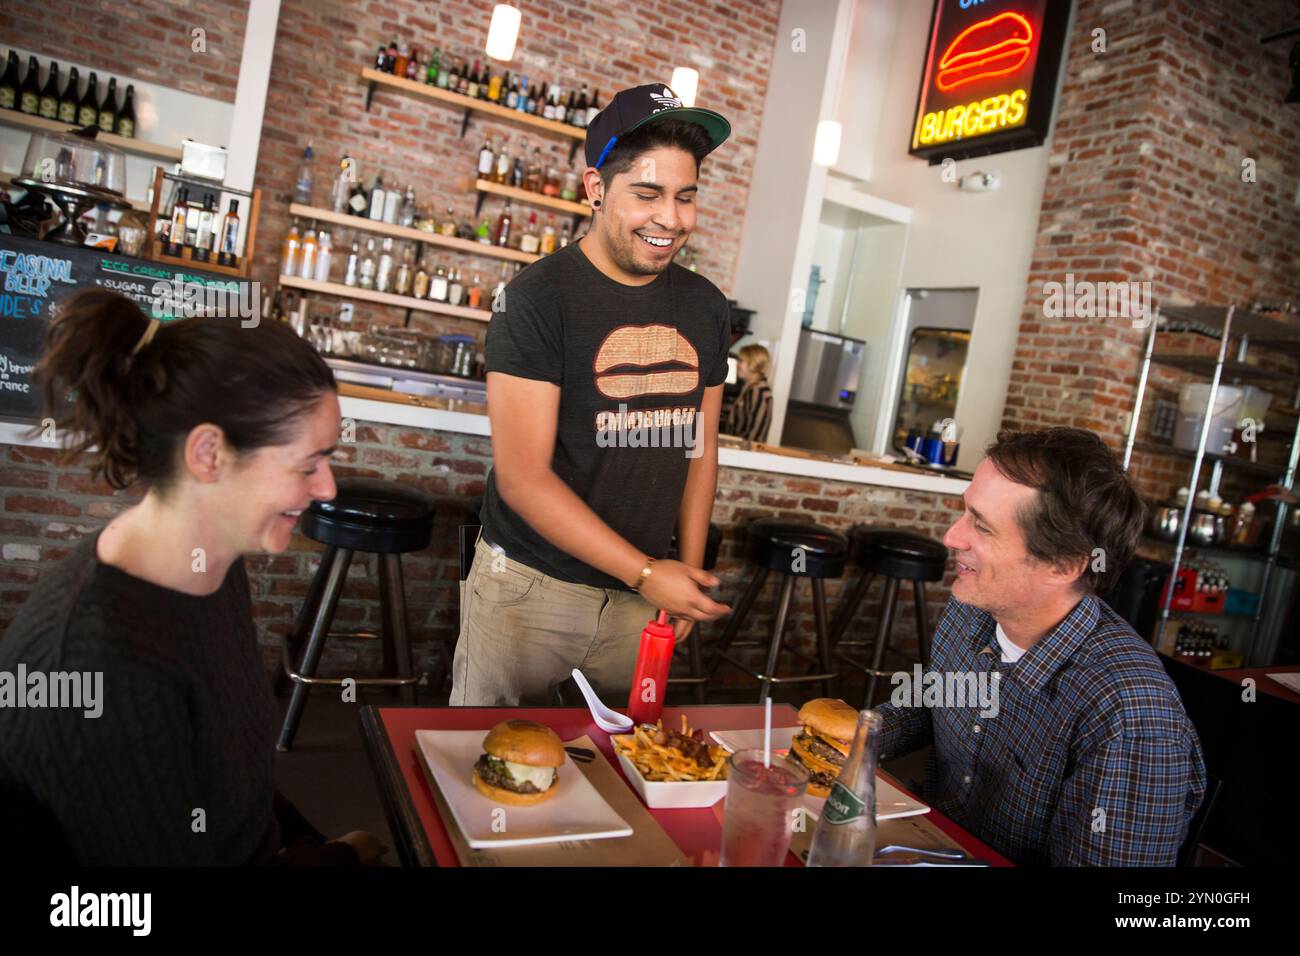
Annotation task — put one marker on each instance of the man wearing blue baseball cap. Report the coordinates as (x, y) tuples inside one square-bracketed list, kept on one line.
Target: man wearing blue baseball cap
[(605, 363)]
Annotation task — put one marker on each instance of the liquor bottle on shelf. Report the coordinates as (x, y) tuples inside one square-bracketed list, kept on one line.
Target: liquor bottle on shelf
[(580, 109), (548, 236), (593, 108), (512, 95), (521, 104), (392, 205), (420, 284), (377, 198), (533, 178), (108, 109), (471, 87), (391, 57), (448, 225), (88, 108), (289, 251), (324, 253), (48, 104), (342, 188), (192, 212), (228, 246), (126, 118), (486, 159), (551, 182), (570, 109), (530, 240), (403, 58), (438, 285), (207, 220), (381, 59), (11, 83), (351, 271), (532, 101), (384, 275), (494, 87), (566, 234), (463, 82), (503, 226), (406, 217), (366, 271), (402, 282), (475, 295), (501, 168), (307, 258), (569, 187), (180, 211), (302, 185), (548, 105), (500, 287), (29, 95), (435, 61), (484, 231), (517, 173), (455, 288), (358, 201)]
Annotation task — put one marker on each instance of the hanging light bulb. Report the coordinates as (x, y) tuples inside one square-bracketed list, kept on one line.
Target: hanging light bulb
[(826, 147), (503, 32), (686, 83)]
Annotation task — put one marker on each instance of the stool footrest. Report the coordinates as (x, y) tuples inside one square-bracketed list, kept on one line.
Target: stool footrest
[(759, 675), (292, 673)]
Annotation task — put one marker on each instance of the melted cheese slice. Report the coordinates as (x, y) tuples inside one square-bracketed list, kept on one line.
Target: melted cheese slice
[(539, 777)]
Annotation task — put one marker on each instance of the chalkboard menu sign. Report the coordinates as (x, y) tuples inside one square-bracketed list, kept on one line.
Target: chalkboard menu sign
[(38, 275)]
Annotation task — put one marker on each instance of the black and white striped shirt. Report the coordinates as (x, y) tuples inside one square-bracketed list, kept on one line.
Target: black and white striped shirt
[(751, 414)]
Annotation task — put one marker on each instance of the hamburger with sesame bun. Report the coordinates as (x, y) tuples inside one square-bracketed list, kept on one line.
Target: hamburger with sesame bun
[(518, 763), (823, 744)]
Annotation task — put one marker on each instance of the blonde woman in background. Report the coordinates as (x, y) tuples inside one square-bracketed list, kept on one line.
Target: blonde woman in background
[(751, 414)]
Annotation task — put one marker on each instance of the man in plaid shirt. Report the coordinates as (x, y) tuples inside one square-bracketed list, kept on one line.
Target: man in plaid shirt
[(1086, 756)]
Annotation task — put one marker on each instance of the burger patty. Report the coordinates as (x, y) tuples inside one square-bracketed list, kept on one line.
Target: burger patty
[(493, 772), (815, 745)]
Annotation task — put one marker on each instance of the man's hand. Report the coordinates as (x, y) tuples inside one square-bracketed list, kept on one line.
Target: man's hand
[(677, 589), (681, 628)]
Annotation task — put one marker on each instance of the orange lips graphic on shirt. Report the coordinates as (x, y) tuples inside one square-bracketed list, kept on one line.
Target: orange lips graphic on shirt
[(646, 360)]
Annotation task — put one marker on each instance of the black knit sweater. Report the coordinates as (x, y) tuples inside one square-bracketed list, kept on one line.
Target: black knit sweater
[(187, 722)]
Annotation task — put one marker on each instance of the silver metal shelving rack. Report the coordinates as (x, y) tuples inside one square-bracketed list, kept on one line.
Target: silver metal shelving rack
[(1251, 329)]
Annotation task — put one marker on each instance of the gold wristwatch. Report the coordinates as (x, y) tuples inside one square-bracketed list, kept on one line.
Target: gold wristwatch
[(645, 573)]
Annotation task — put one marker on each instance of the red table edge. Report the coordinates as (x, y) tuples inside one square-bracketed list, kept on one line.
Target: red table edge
[(417, 849), (1260, 675)]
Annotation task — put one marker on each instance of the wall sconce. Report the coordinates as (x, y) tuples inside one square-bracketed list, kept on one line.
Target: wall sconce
[(686, 83), (503, 32), (826, 148)]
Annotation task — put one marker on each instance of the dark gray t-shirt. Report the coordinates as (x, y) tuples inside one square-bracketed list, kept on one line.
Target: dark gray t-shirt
[(632, 363)]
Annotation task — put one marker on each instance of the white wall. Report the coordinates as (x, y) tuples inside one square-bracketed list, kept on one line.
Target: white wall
[(956, 239), (163, 115)]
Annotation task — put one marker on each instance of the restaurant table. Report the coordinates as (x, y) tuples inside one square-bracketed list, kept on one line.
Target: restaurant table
[(1263, 681), (421, 834)]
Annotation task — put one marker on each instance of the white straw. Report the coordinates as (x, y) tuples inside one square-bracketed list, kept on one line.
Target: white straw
[(767, 732)]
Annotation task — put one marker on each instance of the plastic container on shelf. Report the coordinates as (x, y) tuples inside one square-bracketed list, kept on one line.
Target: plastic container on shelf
[(1192, 401)]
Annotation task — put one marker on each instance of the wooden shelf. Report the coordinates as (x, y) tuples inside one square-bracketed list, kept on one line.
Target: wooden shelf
[(404, 232), (487, 108), (138, 147), (384, 298), (533, 199)]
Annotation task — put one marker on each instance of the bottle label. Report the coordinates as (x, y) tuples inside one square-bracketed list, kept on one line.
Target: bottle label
[(67, 111), (88, 116), (125, 128), (6, 97), (30, 102), (842, 806)]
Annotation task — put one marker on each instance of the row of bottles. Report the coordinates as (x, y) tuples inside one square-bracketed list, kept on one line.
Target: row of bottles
[(309, 255), (498, 165), (1199, 639), (199, 229), (513, 91), (70, 104), (533, 240)]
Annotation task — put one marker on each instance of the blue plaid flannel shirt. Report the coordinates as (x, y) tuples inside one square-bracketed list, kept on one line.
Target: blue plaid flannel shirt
[(1091, 759)]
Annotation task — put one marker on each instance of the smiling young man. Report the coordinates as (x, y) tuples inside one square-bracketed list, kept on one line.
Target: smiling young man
[(605, 365), (1088, 757)]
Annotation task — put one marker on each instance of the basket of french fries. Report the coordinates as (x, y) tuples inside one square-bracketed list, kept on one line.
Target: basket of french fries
[(672, 768)]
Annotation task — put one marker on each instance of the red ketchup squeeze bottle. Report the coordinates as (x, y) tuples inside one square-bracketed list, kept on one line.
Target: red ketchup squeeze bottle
[(650, 679)]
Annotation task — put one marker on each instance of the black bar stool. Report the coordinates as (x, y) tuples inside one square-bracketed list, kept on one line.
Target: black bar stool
[(778, 546), (694, 656), (896, 556), (368, 515)]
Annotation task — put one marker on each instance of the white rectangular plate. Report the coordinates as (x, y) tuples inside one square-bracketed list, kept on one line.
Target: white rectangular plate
[(575, 812), (891, 803)]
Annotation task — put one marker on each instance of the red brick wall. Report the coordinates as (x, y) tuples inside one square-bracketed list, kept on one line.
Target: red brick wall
[(46, 508), (1145, 183), (145, 40)]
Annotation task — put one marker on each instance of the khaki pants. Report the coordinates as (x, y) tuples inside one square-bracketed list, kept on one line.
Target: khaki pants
[(522, 631)]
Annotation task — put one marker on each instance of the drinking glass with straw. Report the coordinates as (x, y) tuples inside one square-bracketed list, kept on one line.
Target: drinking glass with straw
[(763, 791)]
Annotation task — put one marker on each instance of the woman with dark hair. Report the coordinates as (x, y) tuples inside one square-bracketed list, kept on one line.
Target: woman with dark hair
[(230, 430)]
